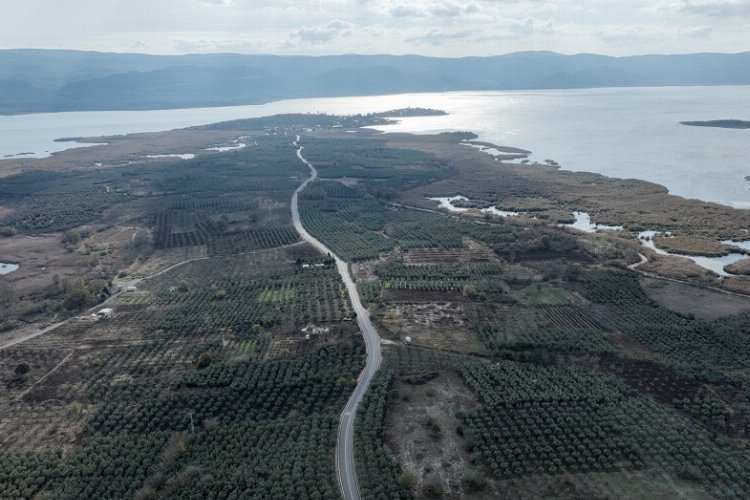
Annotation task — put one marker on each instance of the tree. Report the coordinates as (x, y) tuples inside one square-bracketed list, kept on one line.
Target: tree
[(22, 368), (473, 483), (223, 223), (470, 292), (433, 489), (203, 360), (78, 295), (8, 231)]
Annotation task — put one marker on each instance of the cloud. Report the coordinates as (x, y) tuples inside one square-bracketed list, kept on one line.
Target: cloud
[(431, 27), (321, 34), (499, 29), (626, 35), (508, 28), (445, 10), (528, 26), (710, 8), (717, 8), (436, 37), (407, 11), (211, 44), (451, 10)]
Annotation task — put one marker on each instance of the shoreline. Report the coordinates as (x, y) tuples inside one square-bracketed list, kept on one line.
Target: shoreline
[(730, 124), (563, 137), (261, 102)]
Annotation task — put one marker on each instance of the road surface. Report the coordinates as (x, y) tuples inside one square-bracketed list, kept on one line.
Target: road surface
[(345, 441), (635, 266)]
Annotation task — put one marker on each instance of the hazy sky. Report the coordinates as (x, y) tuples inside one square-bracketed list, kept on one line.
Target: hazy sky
[(438, 27)]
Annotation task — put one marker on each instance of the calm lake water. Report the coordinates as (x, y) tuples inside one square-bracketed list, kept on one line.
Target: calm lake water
[(619, 132)]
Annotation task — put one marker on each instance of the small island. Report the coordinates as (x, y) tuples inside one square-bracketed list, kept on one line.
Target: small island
[(719, 123), (319, 120), (409, 112)]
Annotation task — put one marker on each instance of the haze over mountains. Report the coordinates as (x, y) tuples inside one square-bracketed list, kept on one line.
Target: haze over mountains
[(48, 80)]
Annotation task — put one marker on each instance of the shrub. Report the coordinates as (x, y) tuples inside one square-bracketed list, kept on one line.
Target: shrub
[(22, 368), (78, 295), (204, 360), (473, 483), (433, 489)]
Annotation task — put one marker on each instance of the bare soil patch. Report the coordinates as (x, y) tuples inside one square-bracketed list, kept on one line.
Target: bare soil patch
[(439, 325), (630, 485), (698, 301), (364, 270), (42, 427), (44, 265), (659, 381), (446, 314), (421, 296), (473, 252), (629, 347), (39, 258), (6, 211), (40, 361), (164, 258), (423, 431)]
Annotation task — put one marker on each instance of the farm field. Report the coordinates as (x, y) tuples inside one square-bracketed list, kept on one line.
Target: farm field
[(202, 373), (534, 366), (521, 359)]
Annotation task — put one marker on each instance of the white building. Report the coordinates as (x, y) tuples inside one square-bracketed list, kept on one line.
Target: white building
[(105, 313), (314, 330)]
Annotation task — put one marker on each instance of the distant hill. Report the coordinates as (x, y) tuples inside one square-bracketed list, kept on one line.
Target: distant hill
[(52, 80), (719, 123)]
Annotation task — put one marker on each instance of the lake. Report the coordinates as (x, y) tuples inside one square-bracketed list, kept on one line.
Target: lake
[(619, 132)]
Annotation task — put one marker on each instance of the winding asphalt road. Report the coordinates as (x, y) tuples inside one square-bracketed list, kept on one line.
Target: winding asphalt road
[(345, 441)]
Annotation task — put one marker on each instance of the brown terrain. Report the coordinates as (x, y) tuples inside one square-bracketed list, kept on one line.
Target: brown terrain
[(693, 245)]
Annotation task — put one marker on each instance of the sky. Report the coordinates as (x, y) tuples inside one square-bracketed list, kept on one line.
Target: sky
[(447, 28)]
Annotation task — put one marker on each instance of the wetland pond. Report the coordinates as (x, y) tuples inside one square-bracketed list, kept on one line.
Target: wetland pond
[(584, 223), (7, 268)]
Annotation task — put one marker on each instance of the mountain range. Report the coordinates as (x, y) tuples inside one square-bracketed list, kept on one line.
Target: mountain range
[(59, 80)]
